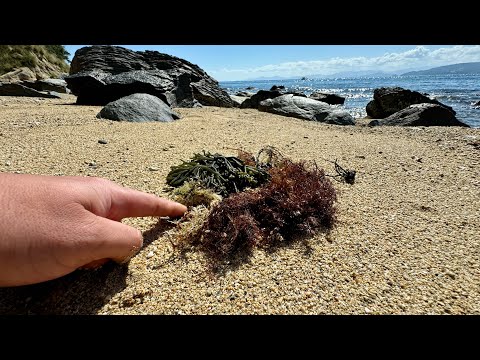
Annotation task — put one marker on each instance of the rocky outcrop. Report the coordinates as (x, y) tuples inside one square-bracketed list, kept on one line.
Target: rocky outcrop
[(16, 89), (277, 87), (388, 100), (138, 108), (332, 99), (101, 74), (421, 115), (307, 109), (477, 104), (57, 85)]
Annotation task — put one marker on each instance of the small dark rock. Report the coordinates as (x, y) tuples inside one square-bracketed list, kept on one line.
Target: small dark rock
[(374, 123), (243, 93), (101, 141), (332, 99), (275, 87)]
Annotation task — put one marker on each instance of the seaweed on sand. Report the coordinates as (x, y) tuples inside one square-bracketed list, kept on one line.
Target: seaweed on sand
[(223, 174), (298, 199)]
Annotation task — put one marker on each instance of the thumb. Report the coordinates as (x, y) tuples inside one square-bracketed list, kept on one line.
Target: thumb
[(114, 240)]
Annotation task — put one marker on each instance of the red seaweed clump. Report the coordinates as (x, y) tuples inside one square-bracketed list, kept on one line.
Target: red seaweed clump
[(298, 199)]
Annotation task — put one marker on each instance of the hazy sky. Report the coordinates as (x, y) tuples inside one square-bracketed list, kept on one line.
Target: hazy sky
[(242, 62)]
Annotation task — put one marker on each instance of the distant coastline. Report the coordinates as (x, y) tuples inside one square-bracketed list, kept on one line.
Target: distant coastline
[(452, 69), (461, 92)]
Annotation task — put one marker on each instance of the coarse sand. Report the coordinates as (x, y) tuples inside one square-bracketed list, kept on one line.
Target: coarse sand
[(407, 240)]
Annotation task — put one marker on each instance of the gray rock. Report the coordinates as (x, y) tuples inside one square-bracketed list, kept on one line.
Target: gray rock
[(332, 99), (57, 85), (138, 108), (388, 100), (423, 115), (307, 109), (253, 101), (16, 89), (477, 104), (101, 74)]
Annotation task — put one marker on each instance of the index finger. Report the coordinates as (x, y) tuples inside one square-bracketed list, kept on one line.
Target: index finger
[(127, 202)]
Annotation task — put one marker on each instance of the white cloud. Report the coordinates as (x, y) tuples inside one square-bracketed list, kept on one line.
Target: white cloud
[(420, 56)]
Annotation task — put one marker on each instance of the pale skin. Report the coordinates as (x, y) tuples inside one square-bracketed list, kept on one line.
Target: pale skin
[(52, 225)]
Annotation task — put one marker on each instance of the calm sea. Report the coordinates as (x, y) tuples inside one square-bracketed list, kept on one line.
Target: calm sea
[(461, 92)]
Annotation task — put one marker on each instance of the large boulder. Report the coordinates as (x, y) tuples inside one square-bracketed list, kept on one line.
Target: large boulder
[(138, 108), (422, 115), (332, 99), (16, 89), (388, 100), (307, 109), (101, 74)]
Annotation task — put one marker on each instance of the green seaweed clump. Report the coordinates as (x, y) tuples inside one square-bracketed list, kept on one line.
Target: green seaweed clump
[(223, 174)]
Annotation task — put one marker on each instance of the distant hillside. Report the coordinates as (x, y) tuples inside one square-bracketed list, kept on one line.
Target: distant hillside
[(464, 68), (44, 60)]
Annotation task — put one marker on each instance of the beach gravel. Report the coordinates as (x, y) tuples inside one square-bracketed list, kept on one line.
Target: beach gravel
[(407, 240)]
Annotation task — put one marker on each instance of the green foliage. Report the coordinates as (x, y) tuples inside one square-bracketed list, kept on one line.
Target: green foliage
[(59, 51), (16, 56), (223, 174)]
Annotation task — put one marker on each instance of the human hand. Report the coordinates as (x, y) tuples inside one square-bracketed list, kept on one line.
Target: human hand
[(51, 226)]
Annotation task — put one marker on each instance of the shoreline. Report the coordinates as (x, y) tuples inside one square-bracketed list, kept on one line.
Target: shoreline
[(406, 241)]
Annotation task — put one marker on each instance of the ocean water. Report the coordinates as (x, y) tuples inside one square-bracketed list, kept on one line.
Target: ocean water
[(460, 92)]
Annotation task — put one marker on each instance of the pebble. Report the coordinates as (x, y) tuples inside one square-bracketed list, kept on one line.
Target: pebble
[(150, 254), (450, 274), (153, 168), (101, 141), (8, 163)]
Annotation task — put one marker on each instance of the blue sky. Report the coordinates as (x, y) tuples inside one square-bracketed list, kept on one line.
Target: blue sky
[(243, 62)]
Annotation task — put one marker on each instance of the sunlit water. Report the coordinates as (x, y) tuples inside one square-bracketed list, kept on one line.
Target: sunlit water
[(460, 92)]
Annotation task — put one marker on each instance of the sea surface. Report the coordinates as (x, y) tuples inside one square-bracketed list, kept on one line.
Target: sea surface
[(460, 92)]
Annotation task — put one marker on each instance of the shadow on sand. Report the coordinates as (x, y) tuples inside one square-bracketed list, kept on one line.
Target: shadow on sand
[(81, 292)]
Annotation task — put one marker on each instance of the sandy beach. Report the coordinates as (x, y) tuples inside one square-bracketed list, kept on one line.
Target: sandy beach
[(407, 240)]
